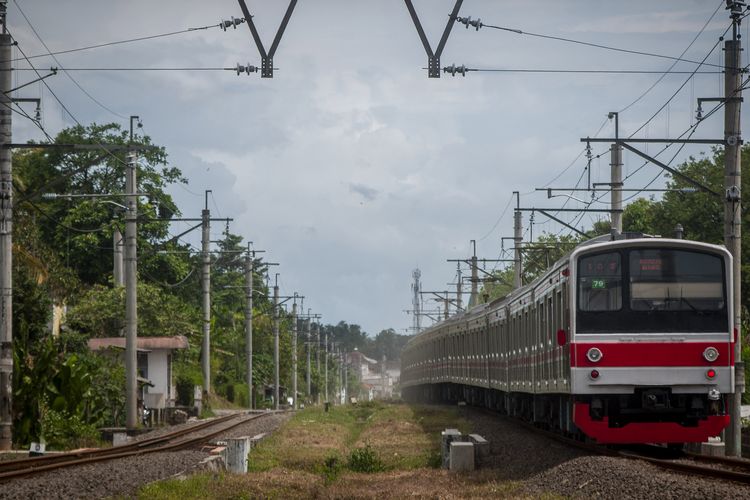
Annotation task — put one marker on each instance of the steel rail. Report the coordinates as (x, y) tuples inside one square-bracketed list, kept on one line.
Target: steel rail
[(26, 467), (670, 464), (24, 463)]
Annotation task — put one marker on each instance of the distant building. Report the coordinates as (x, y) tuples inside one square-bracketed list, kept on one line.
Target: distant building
[(377, 383), (154, 365)]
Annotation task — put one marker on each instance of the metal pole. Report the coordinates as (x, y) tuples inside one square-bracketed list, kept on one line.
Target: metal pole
[(276, 344), (446, 303), (294, 354), (517, 240), (117, 272), (732, 219), (249, 327), (6, 243), (131, 297), (616, 178), (206, 288)]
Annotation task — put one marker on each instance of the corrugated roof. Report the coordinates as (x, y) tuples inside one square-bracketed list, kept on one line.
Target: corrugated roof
[(176, 342)]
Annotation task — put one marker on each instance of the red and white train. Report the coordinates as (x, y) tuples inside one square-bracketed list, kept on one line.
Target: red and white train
[(625, 341)]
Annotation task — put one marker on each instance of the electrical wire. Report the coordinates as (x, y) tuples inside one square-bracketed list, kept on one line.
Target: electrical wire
[(185, 68), (65, 226), (505, 210), (170, 285), (590, 71), (681, 86), (119, 42), (596, 45), (94, 99), (721, 2)]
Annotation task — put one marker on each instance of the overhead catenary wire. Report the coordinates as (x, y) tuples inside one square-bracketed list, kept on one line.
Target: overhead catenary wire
[(669, 70), (119, 42), (589, 71), (478, 24), (143, 68), (80, 87), (676, 92)]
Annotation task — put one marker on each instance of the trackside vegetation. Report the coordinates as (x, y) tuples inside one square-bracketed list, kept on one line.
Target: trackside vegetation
[(367, 450)]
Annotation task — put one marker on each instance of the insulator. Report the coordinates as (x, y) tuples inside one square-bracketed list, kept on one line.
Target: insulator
[(246, 69), (233, 23), (453, 69), (467, 21)]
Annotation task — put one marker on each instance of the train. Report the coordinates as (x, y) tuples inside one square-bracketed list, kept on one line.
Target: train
[(626, 339)]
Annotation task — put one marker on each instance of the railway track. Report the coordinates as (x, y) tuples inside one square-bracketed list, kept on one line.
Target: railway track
[(727, 468), (172, 441)]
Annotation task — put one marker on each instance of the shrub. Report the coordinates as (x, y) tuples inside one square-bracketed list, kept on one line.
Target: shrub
[(365, 460), (62, 431), (331, 468)]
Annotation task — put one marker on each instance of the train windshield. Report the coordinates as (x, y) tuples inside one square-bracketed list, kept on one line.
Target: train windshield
[(651, 290), (675, 280)]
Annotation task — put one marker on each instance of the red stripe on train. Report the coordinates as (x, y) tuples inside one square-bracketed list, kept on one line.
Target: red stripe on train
[(623, 354)]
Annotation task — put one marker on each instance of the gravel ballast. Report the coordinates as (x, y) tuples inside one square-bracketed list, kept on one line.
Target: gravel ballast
[(122, 477), (546, 466)]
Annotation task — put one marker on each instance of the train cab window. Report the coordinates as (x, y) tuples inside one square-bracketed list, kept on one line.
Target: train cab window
[(675, 280), (600, 282)]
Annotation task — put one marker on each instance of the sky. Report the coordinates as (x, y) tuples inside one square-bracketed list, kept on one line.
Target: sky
[(351, 167)]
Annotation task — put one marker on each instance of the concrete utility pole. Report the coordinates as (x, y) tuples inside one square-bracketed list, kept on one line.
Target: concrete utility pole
[(249, 327), (383, 377), (474, 297), (206, 289), (294, 353), (733, 210), (117, 272), (459, 291), (517, 240), (309, 349), (616, 177), (131, 297), (276, 343), (317, 356), (345, 373), (325, 359), (6, 240), (416, 302)]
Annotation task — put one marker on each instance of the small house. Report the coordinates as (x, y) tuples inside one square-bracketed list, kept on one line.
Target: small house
[(154, 365)]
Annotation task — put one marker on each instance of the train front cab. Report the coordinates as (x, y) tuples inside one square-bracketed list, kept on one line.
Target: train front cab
[(652, 346)]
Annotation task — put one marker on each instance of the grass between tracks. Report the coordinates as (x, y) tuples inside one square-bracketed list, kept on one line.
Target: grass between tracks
[(362, 451)]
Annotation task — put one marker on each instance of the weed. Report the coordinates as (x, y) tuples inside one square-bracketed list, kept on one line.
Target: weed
[(331, 468), (365, 460)]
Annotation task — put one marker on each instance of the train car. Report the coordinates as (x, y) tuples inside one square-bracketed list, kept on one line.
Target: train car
[(626, 340)]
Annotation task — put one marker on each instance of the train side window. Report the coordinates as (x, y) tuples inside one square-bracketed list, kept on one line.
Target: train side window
[(600, 282)]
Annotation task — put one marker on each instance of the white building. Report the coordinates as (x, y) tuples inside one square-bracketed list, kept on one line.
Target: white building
[(377, 382), (154, 365)]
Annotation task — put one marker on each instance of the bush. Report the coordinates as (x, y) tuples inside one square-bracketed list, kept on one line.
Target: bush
[(62, 431), (331, 468), (365, 460)]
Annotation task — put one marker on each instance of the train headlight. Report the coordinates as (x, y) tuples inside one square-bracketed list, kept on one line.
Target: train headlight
[(711, 374), (594, 355), (711, 354)]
